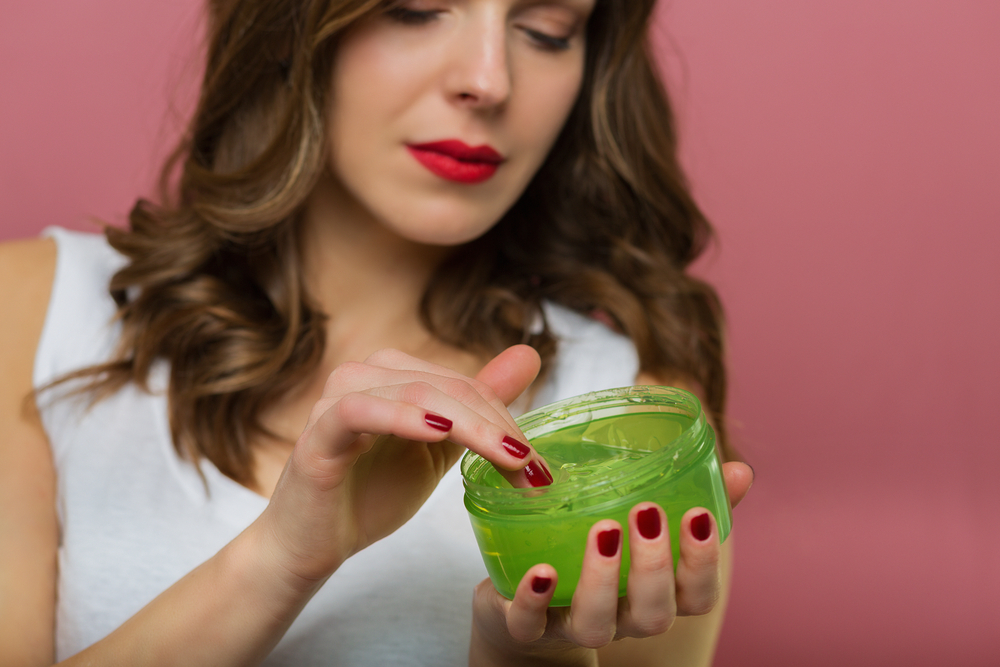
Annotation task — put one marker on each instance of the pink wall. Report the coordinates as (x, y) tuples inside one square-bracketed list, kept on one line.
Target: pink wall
[(848, 153), (92, 95)]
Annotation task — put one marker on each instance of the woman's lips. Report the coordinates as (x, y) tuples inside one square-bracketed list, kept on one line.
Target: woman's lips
[(457, 161)]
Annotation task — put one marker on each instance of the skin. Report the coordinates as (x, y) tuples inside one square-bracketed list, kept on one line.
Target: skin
[(374, 229)]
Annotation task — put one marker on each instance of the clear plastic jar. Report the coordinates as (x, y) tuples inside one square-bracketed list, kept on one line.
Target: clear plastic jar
[(607, 451)]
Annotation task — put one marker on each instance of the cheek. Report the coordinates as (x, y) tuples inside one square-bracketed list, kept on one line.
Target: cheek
[(372, 84), (546, 99)]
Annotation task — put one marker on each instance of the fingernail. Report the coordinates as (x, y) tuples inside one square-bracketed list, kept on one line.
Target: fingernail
[(515, 448), (440, 423), (607, 542), (648, 521), (540, 584), (701, 527), (537, 474)]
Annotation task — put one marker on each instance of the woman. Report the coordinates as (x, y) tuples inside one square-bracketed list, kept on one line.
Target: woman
[(376, 206)]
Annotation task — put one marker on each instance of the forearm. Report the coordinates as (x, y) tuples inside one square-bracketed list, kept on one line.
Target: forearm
[(231, 610)]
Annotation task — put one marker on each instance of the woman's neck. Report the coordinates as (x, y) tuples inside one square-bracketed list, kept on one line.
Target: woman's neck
[(369, 282), (365, 277)]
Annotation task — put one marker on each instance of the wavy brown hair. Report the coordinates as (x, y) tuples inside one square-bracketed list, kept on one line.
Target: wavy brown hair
[(214, 282)]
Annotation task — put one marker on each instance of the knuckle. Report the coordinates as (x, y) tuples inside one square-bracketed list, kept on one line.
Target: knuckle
[(524, 635), (320, 408), (342, 375), (595, 637), (654, 561), (483, 431), (701, 604), (485, 391), (348, 405), (417, 392), (481, 598), (654, 624), (385, 356), (482, 587), (706, 561), (487, 606), (461, 390)]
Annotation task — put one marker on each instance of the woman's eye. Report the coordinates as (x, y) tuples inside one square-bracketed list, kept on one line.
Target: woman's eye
[(410, 16), (548, 42)]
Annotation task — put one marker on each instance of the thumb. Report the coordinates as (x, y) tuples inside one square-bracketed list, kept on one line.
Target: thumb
[(739, 479), (511, 372)]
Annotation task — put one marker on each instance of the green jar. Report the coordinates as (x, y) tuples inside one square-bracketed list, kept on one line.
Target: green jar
[(607, 451)]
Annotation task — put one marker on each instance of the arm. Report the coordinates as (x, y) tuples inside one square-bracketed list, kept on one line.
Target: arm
[(235, 607), (232, 586), (369, 427), (28, 524)]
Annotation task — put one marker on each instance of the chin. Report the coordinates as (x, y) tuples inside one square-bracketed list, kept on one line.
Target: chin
[(442, 237), (441, 229)]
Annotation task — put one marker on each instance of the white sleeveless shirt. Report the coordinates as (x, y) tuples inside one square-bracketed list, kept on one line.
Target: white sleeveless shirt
[(135, 517)]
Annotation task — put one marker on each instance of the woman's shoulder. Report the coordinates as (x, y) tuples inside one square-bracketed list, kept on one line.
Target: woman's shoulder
[(31, 258), (27, 271), (30, 267), (27, 515), (54, 294)]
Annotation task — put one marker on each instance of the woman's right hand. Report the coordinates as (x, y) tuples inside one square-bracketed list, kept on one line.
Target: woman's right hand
[(377, 443), (366, 461)]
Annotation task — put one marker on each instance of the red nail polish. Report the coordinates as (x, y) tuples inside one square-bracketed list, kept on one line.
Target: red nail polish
[(607, 542), (515, 448), (540, 584), (701, 527), (440, 423), (648, 522), (537, 474)]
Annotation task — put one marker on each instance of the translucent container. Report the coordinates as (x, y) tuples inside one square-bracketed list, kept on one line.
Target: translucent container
[(607, 451)]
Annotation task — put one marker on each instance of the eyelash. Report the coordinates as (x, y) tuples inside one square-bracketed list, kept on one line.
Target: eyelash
[(410, 16), (548, 42), (417, 17)]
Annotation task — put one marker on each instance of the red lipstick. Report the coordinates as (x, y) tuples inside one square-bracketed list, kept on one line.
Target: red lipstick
[(456, 161)]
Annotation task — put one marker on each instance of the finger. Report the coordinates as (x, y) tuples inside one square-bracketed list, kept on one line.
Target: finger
[(510, 454), (650, 607), (739, 478), (594, 611), (508, 374), (328, 449), (527, 614), (698, 582), (360, 377), (392, 367), (335, 432), (513, 458), (511, 372)]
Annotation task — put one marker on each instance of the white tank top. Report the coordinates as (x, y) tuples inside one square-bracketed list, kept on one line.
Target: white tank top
[(134, 517)]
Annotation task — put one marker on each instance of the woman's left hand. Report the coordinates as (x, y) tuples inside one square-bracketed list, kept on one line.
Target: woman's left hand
[(526, 629)]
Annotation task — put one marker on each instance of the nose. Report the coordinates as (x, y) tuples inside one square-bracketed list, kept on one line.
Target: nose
[(479, 76)]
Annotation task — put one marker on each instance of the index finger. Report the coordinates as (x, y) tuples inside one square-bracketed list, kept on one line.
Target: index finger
[(499, 383)]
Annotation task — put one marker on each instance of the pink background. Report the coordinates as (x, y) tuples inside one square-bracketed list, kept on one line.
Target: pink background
[(848, 153)]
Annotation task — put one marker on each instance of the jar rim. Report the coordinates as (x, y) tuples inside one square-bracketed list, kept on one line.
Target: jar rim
[(674, 456)]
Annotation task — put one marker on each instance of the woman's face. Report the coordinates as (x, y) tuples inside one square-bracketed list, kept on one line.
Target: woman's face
[(443, 110)]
